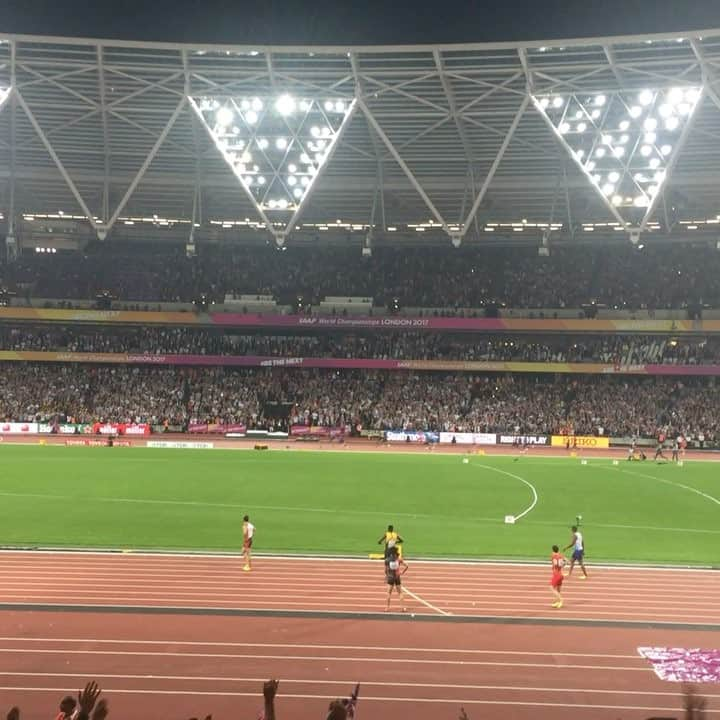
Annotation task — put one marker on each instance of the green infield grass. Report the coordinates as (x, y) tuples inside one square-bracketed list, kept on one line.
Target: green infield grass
[(340, 503)]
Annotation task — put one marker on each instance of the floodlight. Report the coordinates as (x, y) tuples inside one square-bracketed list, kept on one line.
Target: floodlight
[(650, 138), (635, 111), (262, 143), (608, 189), (692, 95), (544, 102), (595, 114), (653, 189), (666, 149), (320, 144), (579, 154), (272, 204), (248, 180), (251, 117), (639, 177), (600, 100), (340, 106), (600, 152), (659, 176), (557, 102), (315, 131), (597, 177), (563, 128), (590, 165), (684, 108), (325, 132), (671, 123), (617, 200), (650, 123), (623, 138), (641, 201), (261, 180), (645, 150), (654, 163), (665, 110), (675, 95), (624, 124), (582, 127), (304, 105), (285, 105), (224, 116), (292, 180), (618, 151), (245, 104), (328, 105), (246, 157), (613, 176), (607, 139), (319, 157), (579, 114), (297, 192), (304, 181), (292, 167), (257, 105), (282, 203), (281, 143), (645, 97)]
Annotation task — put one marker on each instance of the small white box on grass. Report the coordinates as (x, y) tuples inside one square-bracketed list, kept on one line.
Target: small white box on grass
[(680, 463), (616, 462), (583, 462), (465, 461), (509, 519)]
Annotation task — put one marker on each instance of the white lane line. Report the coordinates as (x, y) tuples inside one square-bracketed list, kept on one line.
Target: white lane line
[(369, 699), (365, 683), (220, 557), (324, 658), (425, 602), (712, 498), (522, 480), (382, 648)]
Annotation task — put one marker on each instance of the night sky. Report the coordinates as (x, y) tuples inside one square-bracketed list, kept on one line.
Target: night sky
[(369, 22)]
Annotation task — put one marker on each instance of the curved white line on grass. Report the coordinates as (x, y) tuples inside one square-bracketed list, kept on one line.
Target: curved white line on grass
[(522, 480), (712, 498)]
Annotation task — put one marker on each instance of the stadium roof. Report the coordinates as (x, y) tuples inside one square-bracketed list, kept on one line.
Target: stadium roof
[(468, 141)]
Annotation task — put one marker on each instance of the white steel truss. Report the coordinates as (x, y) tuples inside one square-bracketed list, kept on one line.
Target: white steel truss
[(437, 130)]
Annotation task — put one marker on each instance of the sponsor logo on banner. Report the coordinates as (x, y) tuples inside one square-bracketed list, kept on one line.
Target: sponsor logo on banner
[(136, 429), (180, 444), (523, 439), (580, 441), (96, 442), (464, 438), (15, 428), (413, 436)]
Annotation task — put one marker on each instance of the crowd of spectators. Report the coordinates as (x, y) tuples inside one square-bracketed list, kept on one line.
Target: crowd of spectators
[(660, 276), (541, 404), (615, 349), (90, 706)]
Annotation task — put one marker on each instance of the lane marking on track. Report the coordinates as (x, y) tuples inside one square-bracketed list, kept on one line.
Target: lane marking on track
[(644, 667), (522, 480), (382, 648), (145, 554), (425, 602)]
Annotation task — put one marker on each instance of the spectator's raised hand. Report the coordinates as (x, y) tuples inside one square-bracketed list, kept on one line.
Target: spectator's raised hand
[(88, 697), (14, 714)]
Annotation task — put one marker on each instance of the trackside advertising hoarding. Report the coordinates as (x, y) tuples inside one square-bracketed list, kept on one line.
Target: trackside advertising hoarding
[(523, 440), (580, 441), (16, 428), (466, 438), (413, 436)]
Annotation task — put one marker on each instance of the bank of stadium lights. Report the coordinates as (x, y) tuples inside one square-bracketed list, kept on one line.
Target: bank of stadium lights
[(283, 139), (623, 141)]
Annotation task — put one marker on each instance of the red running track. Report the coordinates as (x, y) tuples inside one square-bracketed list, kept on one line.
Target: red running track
[(190, 662)]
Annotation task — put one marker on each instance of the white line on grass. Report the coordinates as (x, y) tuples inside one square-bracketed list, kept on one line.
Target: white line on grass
[(670, 482), (522, 480)]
